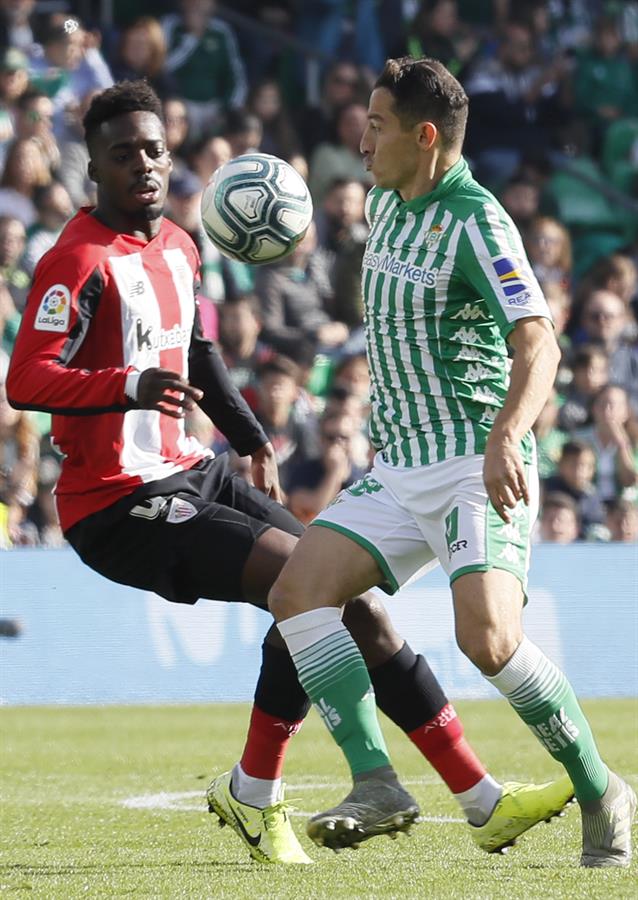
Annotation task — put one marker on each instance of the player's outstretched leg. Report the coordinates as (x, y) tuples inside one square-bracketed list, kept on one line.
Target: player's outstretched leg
[(332, 671), (304, 601), (251, 798), (488, 609)]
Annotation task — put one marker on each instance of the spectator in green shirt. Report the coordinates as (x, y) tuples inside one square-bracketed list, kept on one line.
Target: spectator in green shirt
[(204, 62), (603, 81)]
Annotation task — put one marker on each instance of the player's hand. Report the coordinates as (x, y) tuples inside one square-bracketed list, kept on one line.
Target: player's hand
[(265, 473), (504, 475), (167, 392), (337, 461)]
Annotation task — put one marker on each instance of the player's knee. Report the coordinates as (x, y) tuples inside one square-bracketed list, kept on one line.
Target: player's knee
[(289, 597), (489, 649), (367, 621)]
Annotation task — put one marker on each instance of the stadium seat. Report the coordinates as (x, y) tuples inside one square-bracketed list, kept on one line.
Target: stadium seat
[(620, 154), (576, 202)]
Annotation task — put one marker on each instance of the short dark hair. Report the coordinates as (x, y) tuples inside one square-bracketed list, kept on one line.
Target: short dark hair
[(561, 500), (31, 94), (122, 98), (575, 447), (424, 90), (247, 299), (279, 365), (586, 354)]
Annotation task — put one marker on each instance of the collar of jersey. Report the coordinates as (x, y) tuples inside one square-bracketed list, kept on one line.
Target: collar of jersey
[(453, 178)]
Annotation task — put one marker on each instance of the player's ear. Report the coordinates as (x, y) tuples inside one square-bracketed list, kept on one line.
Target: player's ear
[(170, 161), (426, 135), (92, 172)]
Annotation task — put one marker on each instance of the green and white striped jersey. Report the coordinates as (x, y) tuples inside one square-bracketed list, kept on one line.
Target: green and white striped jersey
[(445, 277)]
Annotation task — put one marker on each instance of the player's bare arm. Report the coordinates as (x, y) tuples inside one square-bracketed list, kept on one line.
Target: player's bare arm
[(532, 375)]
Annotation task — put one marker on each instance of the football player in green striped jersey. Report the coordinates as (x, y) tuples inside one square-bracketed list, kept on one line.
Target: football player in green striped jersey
[(447, 292)]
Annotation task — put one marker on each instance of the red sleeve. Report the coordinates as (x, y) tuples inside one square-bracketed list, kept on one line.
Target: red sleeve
[(59, 309)]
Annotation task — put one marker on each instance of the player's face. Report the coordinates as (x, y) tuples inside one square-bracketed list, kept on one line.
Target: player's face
[(131, 166), (389, 152)]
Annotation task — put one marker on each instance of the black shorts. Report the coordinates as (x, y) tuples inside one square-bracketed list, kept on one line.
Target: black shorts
[(185, 537)]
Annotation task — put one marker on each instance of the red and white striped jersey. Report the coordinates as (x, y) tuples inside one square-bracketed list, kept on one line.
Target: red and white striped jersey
[(103, 305)]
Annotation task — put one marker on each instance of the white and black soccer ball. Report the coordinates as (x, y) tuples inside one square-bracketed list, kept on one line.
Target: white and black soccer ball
[(256, 208)]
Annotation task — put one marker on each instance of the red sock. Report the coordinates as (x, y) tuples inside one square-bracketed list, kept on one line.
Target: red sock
[(266, 744), (442, 743)]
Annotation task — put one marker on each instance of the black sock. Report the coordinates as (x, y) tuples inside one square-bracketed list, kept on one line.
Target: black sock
[(278, 692), (406, 690)]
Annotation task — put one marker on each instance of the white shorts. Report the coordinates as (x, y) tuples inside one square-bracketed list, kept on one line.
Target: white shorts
[(410, 520)]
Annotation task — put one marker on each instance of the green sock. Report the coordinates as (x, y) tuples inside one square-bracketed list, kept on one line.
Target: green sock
[(545, 700), (335, 677)]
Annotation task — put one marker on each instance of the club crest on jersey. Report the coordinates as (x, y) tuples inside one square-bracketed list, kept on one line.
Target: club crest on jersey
[(180, 511), (54, 311), (433, 236), (512, 279)]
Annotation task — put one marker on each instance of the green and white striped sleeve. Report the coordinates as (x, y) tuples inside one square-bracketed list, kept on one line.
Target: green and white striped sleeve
[(492, 260)]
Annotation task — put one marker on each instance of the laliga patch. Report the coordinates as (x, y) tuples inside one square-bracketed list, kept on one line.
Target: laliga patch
[(54, 311), (180, 511)]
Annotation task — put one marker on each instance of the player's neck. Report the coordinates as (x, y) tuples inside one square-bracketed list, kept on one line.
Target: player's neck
[(144, 230), (428, 176)]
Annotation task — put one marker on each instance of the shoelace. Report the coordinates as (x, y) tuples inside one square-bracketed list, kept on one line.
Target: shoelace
[(282, 808)]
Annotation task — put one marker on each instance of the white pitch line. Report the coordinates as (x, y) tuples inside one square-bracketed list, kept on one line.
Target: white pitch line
[(171, 801), (178, 801)]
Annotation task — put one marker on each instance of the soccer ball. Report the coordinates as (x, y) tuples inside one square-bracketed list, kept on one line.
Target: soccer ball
[(256, 208)]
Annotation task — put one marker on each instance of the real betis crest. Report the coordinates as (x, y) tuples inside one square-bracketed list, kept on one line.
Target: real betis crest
[(433, 236)]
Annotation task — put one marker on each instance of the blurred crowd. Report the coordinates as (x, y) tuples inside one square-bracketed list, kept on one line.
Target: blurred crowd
[(553, 130)]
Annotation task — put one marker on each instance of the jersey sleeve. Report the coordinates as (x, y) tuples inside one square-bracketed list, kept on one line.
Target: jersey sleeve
[(59, 309), (222, 401), (492, 261)]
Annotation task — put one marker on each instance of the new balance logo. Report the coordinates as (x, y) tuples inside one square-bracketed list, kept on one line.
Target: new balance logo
[(137, 289), (557, 733), (329, 714)]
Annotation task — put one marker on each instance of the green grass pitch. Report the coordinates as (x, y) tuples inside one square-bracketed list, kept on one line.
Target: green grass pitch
[(108, 802)]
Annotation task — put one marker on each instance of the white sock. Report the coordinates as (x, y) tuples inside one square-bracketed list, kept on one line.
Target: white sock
[(479, 801), (302, 631), (259, 792), (526, 662)]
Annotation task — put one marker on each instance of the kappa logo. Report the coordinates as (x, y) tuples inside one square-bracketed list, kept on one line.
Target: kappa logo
[(180, 511), (366, 485), (470, 313), (54, 311)]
